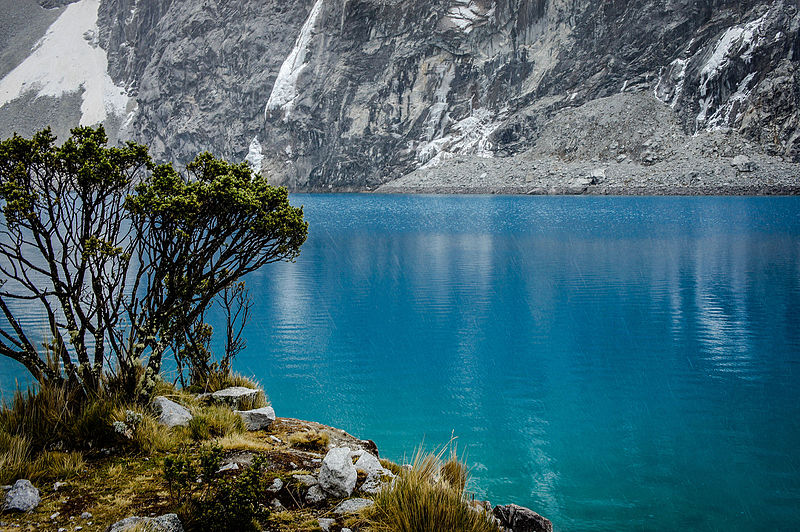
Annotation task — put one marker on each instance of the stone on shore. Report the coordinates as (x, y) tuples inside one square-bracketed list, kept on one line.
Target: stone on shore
[(337, 476), (171, 413), (164, 523), (258, 419), (351, 506), (521, 519), (22, 497), (235, 396)]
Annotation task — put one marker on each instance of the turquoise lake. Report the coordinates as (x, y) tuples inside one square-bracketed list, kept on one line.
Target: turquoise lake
[(613, 363)]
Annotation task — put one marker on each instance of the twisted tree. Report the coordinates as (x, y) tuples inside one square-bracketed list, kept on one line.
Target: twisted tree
[(122, 256)]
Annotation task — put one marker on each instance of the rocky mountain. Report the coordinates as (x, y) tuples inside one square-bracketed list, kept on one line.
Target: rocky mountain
[(352, 94)]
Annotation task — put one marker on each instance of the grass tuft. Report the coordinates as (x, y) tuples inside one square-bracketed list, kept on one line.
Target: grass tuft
[(429, 496)]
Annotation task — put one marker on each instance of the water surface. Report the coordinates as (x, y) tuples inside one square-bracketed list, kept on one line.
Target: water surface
[(612, 363)]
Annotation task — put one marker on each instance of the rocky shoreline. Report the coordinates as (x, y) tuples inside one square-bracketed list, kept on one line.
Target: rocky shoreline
[(320, 479)]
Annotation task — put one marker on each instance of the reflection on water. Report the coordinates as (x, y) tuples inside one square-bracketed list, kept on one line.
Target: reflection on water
[(614, 363)]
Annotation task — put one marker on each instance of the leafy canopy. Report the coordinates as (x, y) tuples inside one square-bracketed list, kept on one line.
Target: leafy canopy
[(123, 256)]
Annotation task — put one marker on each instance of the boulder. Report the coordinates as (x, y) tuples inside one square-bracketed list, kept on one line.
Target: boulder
[(374, 470), (337, 476), (743, 163), (521, 519), (164, 523), (171, 413), (22, 497), (258, 419), (370, 465), (235, 396), (315, 495), (351, 506)]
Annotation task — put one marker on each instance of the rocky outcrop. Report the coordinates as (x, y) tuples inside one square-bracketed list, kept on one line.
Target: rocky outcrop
[(324, 95), (521, 519), (171, 413), (337, 476), (22, 497)]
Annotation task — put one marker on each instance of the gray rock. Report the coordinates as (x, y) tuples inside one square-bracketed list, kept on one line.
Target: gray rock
[(164, 523), (277, 506), (171, 413), (276, 486), (325, 523), (305, 480), (346, 530), (521, 519), (235, 396), (351, 506), (372, 485), (743, 163), (315, 495), (22, 497), (86, 515), (370, 465), (337, 476), (258, 419)]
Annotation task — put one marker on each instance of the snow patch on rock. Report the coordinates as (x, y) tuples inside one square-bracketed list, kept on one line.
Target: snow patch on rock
[(254, 156), (469, 136), (284, 92), (69, 59), (738, 42)]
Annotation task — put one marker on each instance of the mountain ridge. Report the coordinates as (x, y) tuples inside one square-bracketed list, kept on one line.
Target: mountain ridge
[(354, 94)]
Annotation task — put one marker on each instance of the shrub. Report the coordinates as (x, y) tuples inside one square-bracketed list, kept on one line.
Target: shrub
[(216, 503), (429, 496)]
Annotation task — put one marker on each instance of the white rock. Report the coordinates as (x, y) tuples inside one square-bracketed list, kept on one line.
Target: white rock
[(171, 413), (351, 506), (258, 419), (231, 466), (369, 464), (22, 497), (234, 396), (165, 523), (315, 495), (337, 476), (276, 486)]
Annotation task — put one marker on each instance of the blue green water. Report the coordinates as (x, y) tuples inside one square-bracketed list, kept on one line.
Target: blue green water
[(612, 363)]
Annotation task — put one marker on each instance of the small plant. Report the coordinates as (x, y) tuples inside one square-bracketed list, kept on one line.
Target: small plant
[(311, 440), (216, 503)]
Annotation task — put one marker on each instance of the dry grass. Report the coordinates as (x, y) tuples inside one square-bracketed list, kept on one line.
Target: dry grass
[(429, 496), (243, 442), (311, 440)]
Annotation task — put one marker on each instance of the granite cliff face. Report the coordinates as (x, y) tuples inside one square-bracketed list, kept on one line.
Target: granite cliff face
[(351, 94)]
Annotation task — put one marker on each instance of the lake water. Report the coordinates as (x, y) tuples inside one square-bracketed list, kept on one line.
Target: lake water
[(612, 363)]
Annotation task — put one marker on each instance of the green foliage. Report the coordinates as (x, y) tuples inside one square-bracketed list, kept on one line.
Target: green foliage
[(215, 421), (218, 503), (429, 496), (97, 236)]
